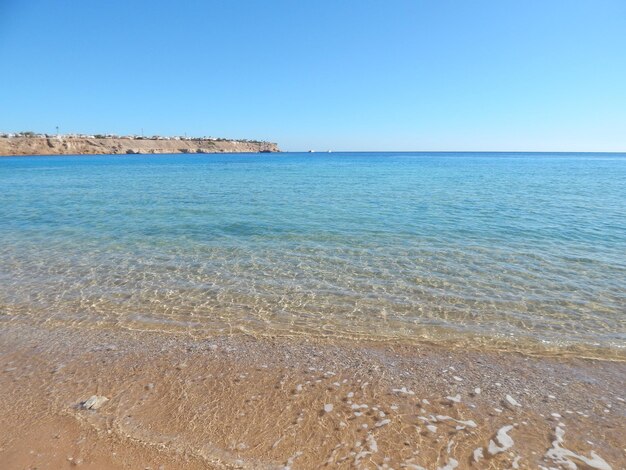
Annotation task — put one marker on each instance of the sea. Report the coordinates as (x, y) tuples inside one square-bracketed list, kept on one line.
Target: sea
[(512, 251)]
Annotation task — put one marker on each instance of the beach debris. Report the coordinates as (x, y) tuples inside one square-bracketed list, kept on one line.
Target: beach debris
[(432, 428), (478, 454), (382, 422), (403, 391), (455, 399), (94, 402), (504, 441), (477, 391), (567, 458), (512, 401), (328, 407)]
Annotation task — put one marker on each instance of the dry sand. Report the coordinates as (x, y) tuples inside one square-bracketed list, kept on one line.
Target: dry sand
[(175, 401)]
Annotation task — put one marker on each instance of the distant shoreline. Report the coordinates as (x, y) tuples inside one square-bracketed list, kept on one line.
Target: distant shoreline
[(23, 145)]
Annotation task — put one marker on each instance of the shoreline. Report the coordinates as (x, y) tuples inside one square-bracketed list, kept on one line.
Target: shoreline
[(178, 400), (427, 336)]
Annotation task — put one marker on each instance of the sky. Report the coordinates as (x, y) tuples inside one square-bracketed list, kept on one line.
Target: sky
[(532, 75)]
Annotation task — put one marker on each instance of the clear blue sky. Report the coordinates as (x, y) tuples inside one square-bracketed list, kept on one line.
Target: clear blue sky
[(342, 75)]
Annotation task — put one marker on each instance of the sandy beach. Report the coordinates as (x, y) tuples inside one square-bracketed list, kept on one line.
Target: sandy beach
[(164, 401)]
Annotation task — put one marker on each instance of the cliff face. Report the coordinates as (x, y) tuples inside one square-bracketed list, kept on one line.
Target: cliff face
[(98, 146)]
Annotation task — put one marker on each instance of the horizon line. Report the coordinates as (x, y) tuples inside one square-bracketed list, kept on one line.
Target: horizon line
[(454, 151)]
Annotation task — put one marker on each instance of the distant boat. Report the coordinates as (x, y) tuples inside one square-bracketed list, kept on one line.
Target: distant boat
[(311, 151)]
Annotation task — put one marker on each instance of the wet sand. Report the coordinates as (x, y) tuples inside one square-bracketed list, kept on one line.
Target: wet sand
[(178, 401)]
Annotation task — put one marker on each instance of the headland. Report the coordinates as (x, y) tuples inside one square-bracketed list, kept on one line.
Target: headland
[(28, 143)]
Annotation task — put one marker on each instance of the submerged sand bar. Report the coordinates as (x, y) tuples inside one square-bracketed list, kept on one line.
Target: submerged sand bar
[(179, 401)]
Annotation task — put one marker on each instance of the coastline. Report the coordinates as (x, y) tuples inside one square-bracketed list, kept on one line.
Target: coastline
[(243, 402), (83, 145)]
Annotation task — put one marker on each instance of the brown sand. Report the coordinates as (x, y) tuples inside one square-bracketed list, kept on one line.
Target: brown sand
[(240, 402)]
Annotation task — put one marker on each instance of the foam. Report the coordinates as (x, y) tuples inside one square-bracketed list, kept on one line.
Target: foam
[(505, 441), (566, 457)]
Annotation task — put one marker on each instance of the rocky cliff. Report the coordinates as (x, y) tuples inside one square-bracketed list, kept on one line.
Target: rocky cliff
[(66, 145)]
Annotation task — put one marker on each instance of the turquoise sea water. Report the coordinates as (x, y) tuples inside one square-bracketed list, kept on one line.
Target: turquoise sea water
[(526, 251)]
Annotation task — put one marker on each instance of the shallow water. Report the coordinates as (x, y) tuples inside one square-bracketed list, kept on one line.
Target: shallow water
[(523, 251)]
